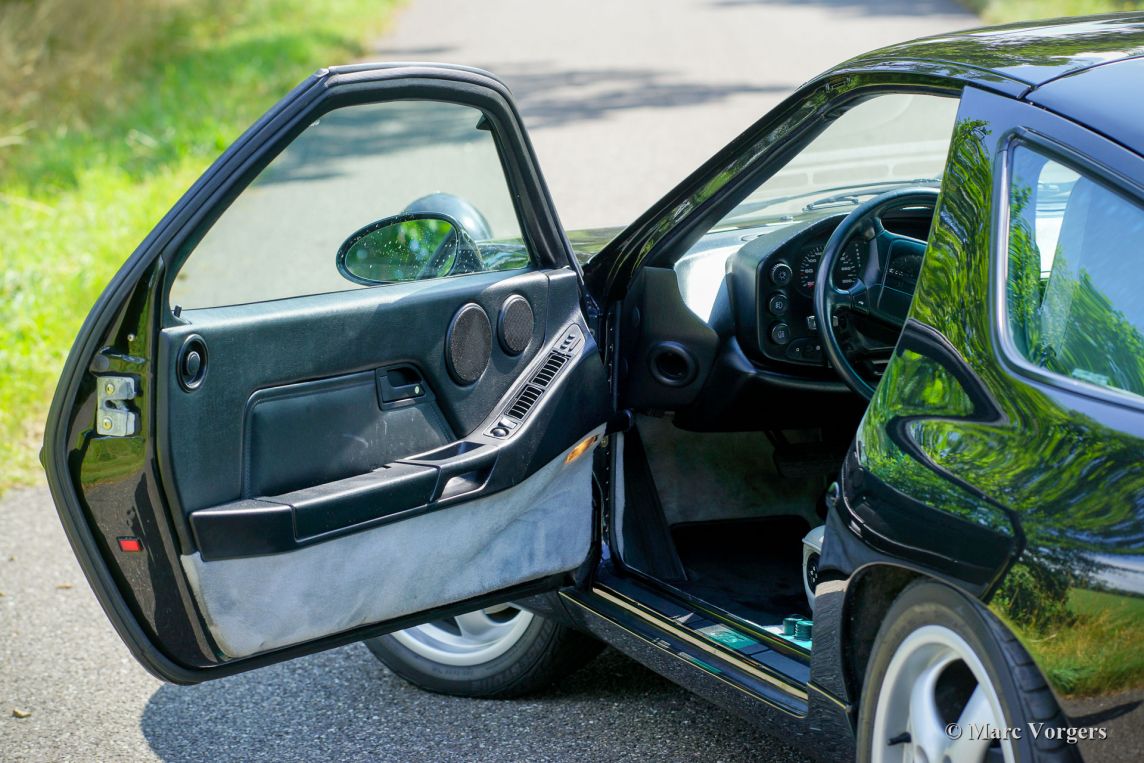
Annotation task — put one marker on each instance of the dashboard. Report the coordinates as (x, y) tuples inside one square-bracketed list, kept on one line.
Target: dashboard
[(725, 337), (772, 276)]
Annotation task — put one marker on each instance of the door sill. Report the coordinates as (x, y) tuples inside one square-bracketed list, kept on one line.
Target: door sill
[(757, 663)]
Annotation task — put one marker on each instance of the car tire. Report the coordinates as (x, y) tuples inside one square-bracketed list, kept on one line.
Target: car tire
[(519, 654), (941, 658)]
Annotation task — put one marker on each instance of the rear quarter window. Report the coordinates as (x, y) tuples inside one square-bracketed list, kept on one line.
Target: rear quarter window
[(1075, 285)]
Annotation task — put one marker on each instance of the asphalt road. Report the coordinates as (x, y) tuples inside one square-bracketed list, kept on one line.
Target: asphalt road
[(622, 100)]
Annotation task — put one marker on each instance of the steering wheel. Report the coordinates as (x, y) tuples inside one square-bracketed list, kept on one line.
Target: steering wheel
[(870, 296)]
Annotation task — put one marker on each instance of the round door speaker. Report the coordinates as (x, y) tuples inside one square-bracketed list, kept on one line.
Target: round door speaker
[(468, 344), (514, 327)]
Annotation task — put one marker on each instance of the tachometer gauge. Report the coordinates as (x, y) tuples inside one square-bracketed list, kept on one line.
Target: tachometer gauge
[(849, 264)]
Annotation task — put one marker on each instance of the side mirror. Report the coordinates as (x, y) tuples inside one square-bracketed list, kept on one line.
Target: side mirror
[(408, 247)]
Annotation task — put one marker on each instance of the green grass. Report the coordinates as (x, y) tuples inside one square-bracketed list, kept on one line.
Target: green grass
[(88, 166), (1098, 650), (1106, 642), (1004, 11)]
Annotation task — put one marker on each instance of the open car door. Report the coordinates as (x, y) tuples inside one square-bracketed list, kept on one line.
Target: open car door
[(344, 387)]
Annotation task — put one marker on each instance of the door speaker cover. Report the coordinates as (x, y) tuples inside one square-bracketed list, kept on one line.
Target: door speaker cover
[(514, 327), (468, 344)]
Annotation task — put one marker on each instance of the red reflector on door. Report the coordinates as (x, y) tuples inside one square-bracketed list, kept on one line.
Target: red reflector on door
[(130, 544)]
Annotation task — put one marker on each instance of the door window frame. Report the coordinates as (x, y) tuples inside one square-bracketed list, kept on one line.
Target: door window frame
[(345, 87)]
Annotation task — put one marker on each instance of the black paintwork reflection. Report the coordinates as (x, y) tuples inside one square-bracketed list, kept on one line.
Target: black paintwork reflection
[(1032, 52), (966, 436), (902, 493)]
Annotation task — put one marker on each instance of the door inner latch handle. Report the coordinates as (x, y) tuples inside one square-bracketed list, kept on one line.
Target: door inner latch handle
[(400, 383)]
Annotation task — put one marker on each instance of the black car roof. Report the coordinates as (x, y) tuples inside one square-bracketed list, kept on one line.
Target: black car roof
[(1088, 69), (1029, 52), (1106, 98)]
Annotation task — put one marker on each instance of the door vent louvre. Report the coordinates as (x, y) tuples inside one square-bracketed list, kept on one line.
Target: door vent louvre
[(549, 370), (527, 398), (524, 402)]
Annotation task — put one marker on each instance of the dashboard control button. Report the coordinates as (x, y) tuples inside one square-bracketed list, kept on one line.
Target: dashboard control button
[(811, 323), (778, 304), (805, 350), (780, 333), (781, 274)]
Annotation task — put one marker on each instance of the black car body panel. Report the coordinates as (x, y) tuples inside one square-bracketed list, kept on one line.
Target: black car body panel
[(911, 505)]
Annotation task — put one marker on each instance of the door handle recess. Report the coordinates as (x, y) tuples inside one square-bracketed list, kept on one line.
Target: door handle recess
[(462, 467)]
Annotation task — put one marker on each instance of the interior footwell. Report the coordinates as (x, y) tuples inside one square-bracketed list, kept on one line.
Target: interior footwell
[(750, 568)]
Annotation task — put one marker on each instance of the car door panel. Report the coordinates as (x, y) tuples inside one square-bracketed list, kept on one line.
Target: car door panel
[(321, 472), (298, 435), (305, 349), (332, 512)]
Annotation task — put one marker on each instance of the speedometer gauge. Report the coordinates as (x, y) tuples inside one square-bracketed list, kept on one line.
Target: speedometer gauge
[(846, 269), (808, 268)]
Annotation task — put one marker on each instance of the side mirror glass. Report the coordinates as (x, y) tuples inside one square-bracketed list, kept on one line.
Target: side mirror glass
[(408, 247)]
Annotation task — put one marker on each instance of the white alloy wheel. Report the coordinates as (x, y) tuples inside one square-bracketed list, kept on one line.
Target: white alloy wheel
[(935, 680), (470, 639)]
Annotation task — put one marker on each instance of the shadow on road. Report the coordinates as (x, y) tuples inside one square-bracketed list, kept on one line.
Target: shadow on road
[(344, 705), (552, 96)]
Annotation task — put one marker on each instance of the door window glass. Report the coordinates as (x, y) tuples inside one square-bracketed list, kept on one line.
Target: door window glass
[(351, 169), (1075, 289)]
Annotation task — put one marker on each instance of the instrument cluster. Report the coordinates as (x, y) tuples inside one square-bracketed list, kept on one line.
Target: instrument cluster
[(787, 323)]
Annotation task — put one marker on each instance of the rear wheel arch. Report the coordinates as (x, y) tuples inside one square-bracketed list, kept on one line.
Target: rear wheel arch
[(869, 595)]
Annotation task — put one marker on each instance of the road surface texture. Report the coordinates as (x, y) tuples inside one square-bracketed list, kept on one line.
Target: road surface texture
[(622, 101)]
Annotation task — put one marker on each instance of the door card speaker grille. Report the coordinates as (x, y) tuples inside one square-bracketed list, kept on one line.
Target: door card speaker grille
[(468, 344), (515, 324)]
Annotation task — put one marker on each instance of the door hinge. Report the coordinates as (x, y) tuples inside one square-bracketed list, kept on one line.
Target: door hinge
[(592, 314), (112, 416)]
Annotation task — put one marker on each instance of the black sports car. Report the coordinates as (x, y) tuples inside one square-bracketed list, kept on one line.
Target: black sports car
[(844, 434)]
